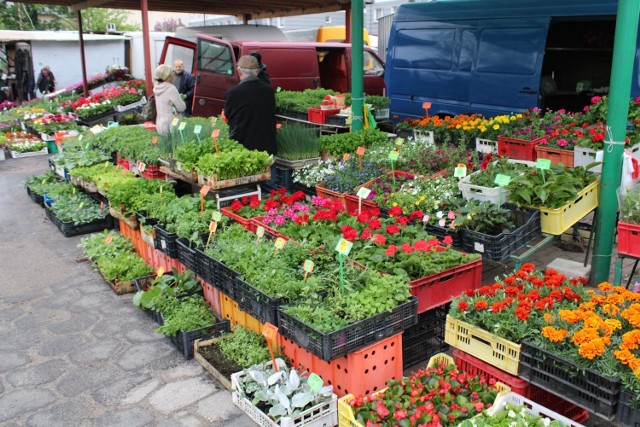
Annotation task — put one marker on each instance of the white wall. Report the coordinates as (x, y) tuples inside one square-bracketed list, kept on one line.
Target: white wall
[(64, 58), (137, 51)]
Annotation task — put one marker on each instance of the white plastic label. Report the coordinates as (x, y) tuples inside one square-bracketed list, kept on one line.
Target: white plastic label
[(479, 247)]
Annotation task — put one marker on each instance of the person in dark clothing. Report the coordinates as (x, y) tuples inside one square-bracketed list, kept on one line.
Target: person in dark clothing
[(262, 75), (249, 108), (184, 82), (46, 81)]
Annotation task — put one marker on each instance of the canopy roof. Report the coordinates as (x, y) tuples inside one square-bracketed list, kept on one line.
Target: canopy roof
[(255, 9)]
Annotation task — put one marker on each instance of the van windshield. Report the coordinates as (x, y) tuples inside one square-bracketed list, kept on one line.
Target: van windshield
[(214, 57)]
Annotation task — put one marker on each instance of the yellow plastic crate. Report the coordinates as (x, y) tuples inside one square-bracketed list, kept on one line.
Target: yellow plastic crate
[(557, 221), (346, 417), (231, 311), (484, 345)]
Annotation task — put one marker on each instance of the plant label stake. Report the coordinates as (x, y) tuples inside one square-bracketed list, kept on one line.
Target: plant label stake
[(142, 166), (259, 233), (101, 205), (360, 153), (214, 135), (213, 226), (270, 333), (345, 157), (279, 244), (501, 181), (363, 193), (393, 156), (154, 140), (278, 89), (196, 130), (174, 122), (343, 247), (181, 128), (108, 239), (426, 106), (399, 142), (160, 272), (315, 382), (543, 164), (308, 267), (203, 192), (460, 171)]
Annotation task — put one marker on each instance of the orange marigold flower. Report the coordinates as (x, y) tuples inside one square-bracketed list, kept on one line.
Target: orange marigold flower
[(481, 305), (570, 316), (605, 286), (592, 349), (624, 356), (549, 318), (585, 335), (553, 334)]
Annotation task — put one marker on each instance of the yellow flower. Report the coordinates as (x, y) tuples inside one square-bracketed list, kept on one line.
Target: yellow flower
[(394, 204)]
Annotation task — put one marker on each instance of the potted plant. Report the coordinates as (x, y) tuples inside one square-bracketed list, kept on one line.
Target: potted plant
[(223, 170), (297, 145)]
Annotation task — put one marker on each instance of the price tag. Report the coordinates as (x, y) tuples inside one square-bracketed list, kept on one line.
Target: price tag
[(197, 129), (142, 166), (278, 89), (315, 382), (108, 239), (344, 247), (269, 331), (346, 157), (360, 151), (216, 216), (182, 126), (426, 105), (393, 156), (101, 205), (213, 226), (213, 121), (23, 126), (205, 189), (174, 122), (280, 242), (502, 180), (399, 141), (80, 137), (215, 133), (260, 232), (478, 247), (160, 272), (460, 171), (308, 266), (278, 125), (543, 164), (154, 140), (363, 192)]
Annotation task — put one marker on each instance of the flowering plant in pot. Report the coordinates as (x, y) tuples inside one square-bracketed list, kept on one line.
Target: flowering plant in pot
[(520, 304), (278, 203), (436, 396)]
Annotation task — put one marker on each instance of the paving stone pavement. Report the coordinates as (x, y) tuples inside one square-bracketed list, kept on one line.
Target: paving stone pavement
[(72, 353)]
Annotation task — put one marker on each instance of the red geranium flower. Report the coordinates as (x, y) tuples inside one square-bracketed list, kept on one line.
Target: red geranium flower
[(391, 250), (447, 240), (349, 233), (375, 224), (481, 305), (366, 234), (402, 220), (406, 248), (463, 305), (392, 229), (236, 205), (379, 239), (395, 211)]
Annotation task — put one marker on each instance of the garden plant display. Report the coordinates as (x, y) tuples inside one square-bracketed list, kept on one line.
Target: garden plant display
[(340, 143), (350, 175), (434, 159), (511, 415), (184, 314), (435, 396), (312, 174), (28, 146), (161, 288), (234, 163), (188, 153), (51, 123), (520, 304), (297, 142), (490, 168)]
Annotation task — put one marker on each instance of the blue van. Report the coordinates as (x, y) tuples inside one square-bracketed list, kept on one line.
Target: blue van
[(500, 56)]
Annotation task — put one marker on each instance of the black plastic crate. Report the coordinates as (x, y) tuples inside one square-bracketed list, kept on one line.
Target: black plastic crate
[(283, 177), (142, 284), (68, 229), (166, 241), (184, 340), (627, 415), (442, 232), (207, 267), (226, 279), (187, 254), (501, 246), (426, 338), (37, 198), (331, 345), (586, 388), (257, 303)]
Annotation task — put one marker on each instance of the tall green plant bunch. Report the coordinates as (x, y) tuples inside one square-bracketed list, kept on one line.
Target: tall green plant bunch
[(297, 142)]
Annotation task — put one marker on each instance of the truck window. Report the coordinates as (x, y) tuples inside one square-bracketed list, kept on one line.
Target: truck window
[(467, 50), (180, 52), (372, 65), (214, 58), (430, 49), (517, 53)]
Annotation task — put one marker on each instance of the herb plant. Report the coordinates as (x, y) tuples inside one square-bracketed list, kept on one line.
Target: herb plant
[(234, 164), (243, 346), (185, 314), (297, 142)]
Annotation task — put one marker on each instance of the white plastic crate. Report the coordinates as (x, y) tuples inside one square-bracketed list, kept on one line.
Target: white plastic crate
[(582, 156), (531, 407), (382, 113), (322, 415), (486, 146), (494, 195), (17, 155), (425, 137), (123, 108)]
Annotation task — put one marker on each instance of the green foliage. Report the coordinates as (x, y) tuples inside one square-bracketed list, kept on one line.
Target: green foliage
[(234, 164), (502, 166), (39, 184), (189, 153), (123, 267), (78, 209), (126, 191), (377, 101), (301, 101), (185, 314), (297, 142), (165, 287), (487, 218), (630, 208), (123, 139), (244, 347), (95, 247), (96, 20), (340, 143), (93, 173)]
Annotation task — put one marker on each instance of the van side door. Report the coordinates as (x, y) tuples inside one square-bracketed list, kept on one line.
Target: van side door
[(285, 72), (175, 48), (215, 74), (508, 65)]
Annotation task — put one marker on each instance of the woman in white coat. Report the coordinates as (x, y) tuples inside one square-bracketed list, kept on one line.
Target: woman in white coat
[(169, 104)]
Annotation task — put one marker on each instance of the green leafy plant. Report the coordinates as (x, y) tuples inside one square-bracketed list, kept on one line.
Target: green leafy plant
[(185, 314), (340, 143), (165, 287), (486, 177), (234, 164), (297, 142), (485, 217), (630, 208), (78, 209), (95, 246), (123, 267), (244, 347)]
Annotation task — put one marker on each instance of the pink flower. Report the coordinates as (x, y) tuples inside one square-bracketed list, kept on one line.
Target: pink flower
[(273, 211), (562, 142), (279, 220), (451, 215), (442, 222)]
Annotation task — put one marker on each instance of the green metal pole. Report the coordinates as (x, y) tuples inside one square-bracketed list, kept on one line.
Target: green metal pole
[(357, 75), (620, 90)]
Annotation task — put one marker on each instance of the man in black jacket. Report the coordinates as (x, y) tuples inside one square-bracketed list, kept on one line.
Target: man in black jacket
[(184, 82), (250, 108)]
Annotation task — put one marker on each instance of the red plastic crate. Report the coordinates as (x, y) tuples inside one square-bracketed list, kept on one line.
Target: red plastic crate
[(628, 239), (363, 371), (318, 115), (269, 230), (474, 366), (515, 148), (211, 295), (439, 288), (247, 223), (330, 194), (124, 163), (153, 172)]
